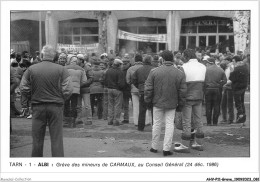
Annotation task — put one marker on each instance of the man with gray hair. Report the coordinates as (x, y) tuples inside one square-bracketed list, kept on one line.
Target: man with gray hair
[(49, 85)]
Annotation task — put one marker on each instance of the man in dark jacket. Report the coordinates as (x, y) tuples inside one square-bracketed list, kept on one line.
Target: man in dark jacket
[(138, 79), (214, 80), (127, 89), (50, 85), (165, 88), (115, 82), (239, 79)]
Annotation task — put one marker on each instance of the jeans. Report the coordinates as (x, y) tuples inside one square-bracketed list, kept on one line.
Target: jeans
[(135, 99), (239, 101), (105, 103), (99, 98), (227, 105), (25, 100), (212, 97), (51, 114), (192, 109), (87, 106), (126, 98), (143, 107), (160, 115), (70, 107), (115, 101)]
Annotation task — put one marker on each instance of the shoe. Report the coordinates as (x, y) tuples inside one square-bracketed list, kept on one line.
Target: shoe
[(24, 113), (223, 122), (166, 153), (180, 148), (125, 121), (153, 150), (241, 119), (116, 124), (29, 117), (88, 123), (79, 122), (140, 129), (110, 123), (196, 146), (230, 122)]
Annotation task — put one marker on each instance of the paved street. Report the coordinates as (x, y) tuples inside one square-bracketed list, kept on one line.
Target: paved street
[(102, 140)]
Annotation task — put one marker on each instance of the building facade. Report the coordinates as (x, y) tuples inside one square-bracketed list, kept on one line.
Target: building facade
[(127, 31)]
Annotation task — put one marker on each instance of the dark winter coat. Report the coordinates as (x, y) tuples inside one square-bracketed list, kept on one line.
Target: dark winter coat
[(239, 77), (165, 87), (114, 78), (140, 76)]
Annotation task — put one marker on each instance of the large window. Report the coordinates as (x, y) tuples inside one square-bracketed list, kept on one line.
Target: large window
[(206, 32), (142, 25), (78, 31)]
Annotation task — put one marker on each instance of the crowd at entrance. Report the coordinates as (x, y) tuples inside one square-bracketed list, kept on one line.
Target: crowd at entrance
[(63, 90)]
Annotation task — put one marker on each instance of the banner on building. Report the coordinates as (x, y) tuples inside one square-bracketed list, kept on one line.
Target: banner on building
[(83, 49), (161, 38)]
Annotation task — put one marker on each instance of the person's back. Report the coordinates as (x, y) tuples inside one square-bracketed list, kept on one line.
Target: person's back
[(215, 77), (50, 85), (167, 82), (46, 79), (114, 78), (97, 86), (141, 75)]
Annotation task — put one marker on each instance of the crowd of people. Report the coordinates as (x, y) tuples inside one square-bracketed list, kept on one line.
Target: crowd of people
[(65, 89)]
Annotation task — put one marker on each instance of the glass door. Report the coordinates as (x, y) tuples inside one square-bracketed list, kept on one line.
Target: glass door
[(192, 42)]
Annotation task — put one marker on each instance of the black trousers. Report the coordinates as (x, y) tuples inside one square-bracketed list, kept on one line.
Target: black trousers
[(143, 106), (212, 97), (70, 107), (239, 101), (99, 98)]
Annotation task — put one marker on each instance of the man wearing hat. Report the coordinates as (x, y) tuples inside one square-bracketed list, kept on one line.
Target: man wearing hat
[(214, 80), (239, 79), (114, 80), (127, 89), (50, 85)]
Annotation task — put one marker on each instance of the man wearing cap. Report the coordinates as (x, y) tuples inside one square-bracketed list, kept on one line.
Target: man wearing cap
[(134, 91), (127, 89), (114, 80), (214, 80), (50, 85), (239, 79)]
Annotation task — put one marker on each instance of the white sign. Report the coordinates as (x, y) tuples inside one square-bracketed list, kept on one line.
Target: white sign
[(87, 48), (162, 38)]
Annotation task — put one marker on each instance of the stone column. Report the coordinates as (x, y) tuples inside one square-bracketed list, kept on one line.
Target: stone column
[(240, 28), (173, 23), (51, 29), (112, 27)]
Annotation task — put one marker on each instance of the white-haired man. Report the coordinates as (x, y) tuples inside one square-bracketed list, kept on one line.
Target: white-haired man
[(50, 85)]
